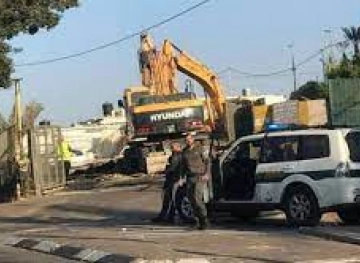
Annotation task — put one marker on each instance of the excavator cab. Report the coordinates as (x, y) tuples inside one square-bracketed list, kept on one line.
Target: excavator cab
[(133, 95)]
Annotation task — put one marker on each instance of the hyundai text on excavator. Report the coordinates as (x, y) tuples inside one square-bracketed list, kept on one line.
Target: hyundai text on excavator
[(158, 113)]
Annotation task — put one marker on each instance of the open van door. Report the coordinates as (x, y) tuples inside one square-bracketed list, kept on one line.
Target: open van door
[(238, 169)]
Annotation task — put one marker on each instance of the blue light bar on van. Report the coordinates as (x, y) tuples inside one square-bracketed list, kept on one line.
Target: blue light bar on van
[(277, 127)]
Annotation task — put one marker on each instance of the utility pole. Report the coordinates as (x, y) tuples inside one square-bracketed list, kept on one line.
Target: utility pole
[(328, 43), (328, 57), (18, 120), (293, 65), (324, 67), (18, 144)]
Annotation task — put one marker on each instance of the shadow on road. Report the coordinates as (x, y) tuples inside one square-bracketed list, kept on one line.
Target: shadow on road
[(207, 254), (82, 215), (69, 214)]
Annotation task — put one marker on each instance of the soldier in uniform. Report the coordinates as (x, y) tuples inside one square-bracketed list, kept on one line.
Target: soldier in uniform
[(196, 170), (173, 173)]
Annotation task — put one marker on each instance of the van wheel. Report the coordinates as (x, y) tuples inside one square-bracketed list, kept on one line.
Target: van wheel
[(350, 216), (301, 207), (183, 205)]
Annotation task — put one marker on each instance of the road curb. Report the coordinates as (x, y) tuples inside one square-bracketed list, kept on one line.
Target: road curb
[(85, 254), (332, 234)]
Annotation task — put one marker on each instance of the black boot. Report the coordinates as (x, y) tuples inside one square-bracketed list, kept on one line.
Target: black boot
[(204, 224), (196, 223)]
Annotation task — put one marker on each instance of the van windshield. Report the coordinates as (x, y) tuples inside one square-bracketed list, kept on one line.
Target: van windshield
[(353, 141)]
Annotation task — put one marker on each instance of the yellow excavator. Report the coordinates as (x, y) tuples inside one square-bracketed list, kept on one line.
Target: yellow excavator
[(158, 113)]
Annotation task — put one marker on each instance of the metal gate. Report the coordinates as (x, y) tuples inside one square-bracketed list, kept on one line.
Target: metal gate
[(48, 169), (345, 102)]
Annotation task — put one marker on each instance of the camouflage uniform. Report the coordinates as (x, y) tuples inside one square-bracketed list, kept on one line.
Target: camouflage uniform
[(195, 166)]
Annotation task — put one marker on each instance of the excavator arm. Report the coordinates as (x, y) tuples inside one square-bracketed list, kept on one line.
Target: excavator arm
[(164, 65), (205, 77)]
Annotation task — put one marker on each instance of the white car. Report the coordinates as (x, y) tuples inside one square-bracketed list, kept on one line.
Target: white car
[(304, 173), (80, 159)]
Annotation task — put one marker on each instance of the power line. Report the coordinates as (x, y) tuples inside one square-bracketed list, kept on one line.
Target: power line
[(115, 42), (282, 71), (269, 74), (253, 75)]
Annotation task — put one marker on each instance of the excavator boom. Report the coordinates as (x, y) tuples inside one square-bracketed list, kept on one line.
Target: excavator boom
[(205, 77)]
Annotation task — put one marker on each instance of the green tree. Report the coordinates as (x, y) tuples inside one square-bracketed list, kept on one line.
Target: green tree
[(27, 17), (345, 69), (310, 91), (353, 35)]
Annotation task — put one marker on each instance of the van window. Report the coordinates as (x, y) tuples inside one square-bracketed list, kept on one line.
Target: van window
[(254, 150), (280, 149), (353, 141), (245, 150), (314, 147)]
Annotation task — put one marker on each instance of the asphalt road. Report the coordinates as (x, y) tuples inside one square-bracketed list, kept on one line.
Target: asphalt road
[(118, 221)]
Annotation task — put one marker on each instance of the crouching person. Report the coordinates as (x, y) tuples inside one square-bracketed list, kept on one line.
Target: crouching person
[(173, 173)]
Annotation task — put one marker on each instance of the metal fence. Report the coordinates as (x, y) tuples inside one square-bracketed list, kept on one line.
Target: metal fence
[(345, 102), (47, 168), (8, 174)]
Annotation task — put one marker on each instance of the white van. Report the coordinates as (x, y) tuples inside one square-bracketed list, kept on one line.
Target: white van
[(304, 173)]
